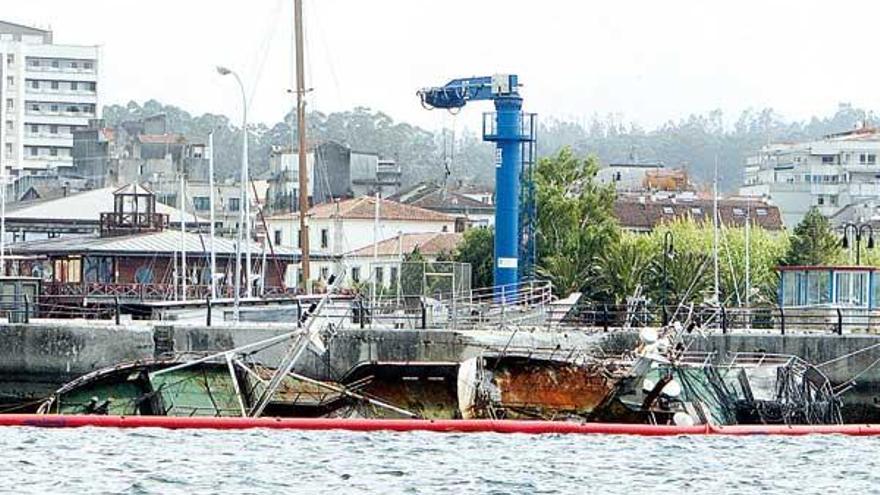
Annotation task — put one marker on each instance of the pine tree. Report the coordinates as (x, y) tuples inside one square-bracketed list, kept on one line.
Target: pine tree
[(813, 241)]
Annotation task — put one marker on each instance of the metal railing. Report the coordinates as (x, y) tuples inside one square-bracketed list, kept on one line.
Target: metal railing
[(827, 319)]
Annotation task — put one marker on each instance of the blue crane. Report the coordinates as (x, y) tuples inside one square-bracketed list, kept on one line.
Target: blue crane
[(514, 136)]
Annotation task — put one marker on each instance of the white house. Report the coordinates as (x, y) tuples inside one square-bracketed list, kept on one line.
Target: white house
[(380, 262), (344, 226)]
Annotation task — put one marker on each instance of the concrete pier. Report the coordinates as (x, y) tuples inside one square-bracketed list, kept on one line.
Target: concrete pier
[(38, 357)]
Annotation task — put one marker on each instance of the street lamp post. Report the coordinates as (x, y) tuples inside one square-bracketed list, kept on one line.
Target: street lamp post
[(858, 229), (243, 234), (668, 249)]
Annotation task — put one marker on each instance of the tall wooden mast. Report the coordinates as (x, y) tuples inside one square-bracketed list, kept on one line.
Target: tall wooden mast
[(301, 129)]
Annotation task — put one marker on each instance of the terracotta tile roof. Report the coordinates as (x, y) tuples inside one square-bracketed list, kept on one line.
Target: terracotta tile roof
[(643, 213), (364, 207), (430, 244)]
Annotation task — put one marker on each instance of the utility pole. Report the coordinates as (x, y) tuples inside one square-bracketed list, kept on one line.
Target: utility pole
[(211, 207), (301, 129)]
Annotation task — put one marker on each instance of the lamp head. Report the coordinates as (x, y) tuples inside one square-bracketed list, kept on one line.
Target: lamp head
[(223, 70)]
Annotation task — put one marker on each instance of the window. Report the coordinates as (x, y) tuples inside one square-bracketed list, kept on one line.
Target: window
[(277, 237), (325, 273), (35, 62), (73, 109), (668, 210), (74, 86), (10, 104), (379, 275), (8, 148), (34, 151), (10, 81), (35, 107), (820, 201), (827, 160), (74, 65), (35, 129), (53, 129), (88, 65), (201, 203), (53, 151), (92, 86), (738, 212), (356, 274), (762, 212), (393, 275), (299, 239), (872, 159), (696, 211), (35, 84), (325, 239), (234, 204), (54, 84), (10, 59), (55, 64), (54, 108)]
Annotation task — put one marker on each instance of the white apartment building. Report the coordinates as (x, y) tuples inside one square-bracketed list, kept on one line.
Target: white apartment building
[(46, 91), (830, 173)]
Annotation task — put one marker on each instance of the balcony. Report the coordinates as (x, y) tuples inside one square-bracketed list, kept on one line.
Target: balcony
[(62, 95), (115, 223)]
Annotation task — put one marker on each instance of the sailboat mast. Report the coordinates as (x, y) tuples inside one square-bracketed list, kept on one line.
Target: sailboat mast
[(715, 230), (301, 129)]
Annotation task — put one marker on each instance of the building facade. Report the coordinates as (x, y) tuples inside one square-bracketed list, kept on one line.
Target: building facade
[(340, 227), (334, 172), (829, 173), (468, 211), (47, 91)]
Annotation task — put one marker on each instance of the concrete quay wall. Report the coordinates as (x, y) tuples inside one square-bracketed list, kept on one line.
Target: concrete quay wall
[(37, 358)]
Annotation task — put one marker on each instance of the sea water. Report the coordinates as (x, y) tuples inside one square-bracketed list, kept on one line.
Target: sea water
[(141, 461)]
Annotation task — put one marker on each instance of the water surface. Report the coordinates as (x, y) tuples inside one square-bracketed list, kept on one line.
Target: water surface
[(103, 460)]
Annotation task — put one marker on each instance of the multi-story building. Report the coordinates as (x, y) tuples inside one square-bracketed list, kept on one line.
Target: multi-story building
[(47, 91), (829, 173), (334, 172)]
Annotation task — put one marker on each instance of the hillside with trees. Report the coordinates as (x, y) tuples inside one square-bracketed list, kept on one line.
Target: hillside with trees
[(692, 142)]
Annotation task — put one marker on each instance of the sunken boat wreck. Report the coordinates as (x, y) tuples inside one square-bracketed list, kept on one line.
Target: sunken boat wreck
[(658, 381)]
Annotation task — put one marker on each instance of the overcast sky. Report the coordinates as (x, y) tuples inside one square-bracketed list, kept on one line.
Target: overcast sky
[(646, 61)]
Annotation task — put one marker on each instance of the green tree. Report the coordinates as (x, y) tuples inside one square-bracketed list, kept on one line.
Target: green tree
[(575, 220), (623, 268), (477, 248), (813, 241)]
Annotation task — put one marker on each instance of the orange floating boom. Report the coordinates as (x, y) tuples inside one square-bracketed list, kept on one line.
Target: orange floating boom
[(456, 426)]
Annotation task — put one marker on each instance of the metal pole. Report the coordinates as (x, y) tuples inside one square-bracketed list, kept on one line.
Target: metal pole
[(748, 258), (245, 197), (242, 198), (301, 129), (211, 207), (182, 233), (375, 251), (715, 230)]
